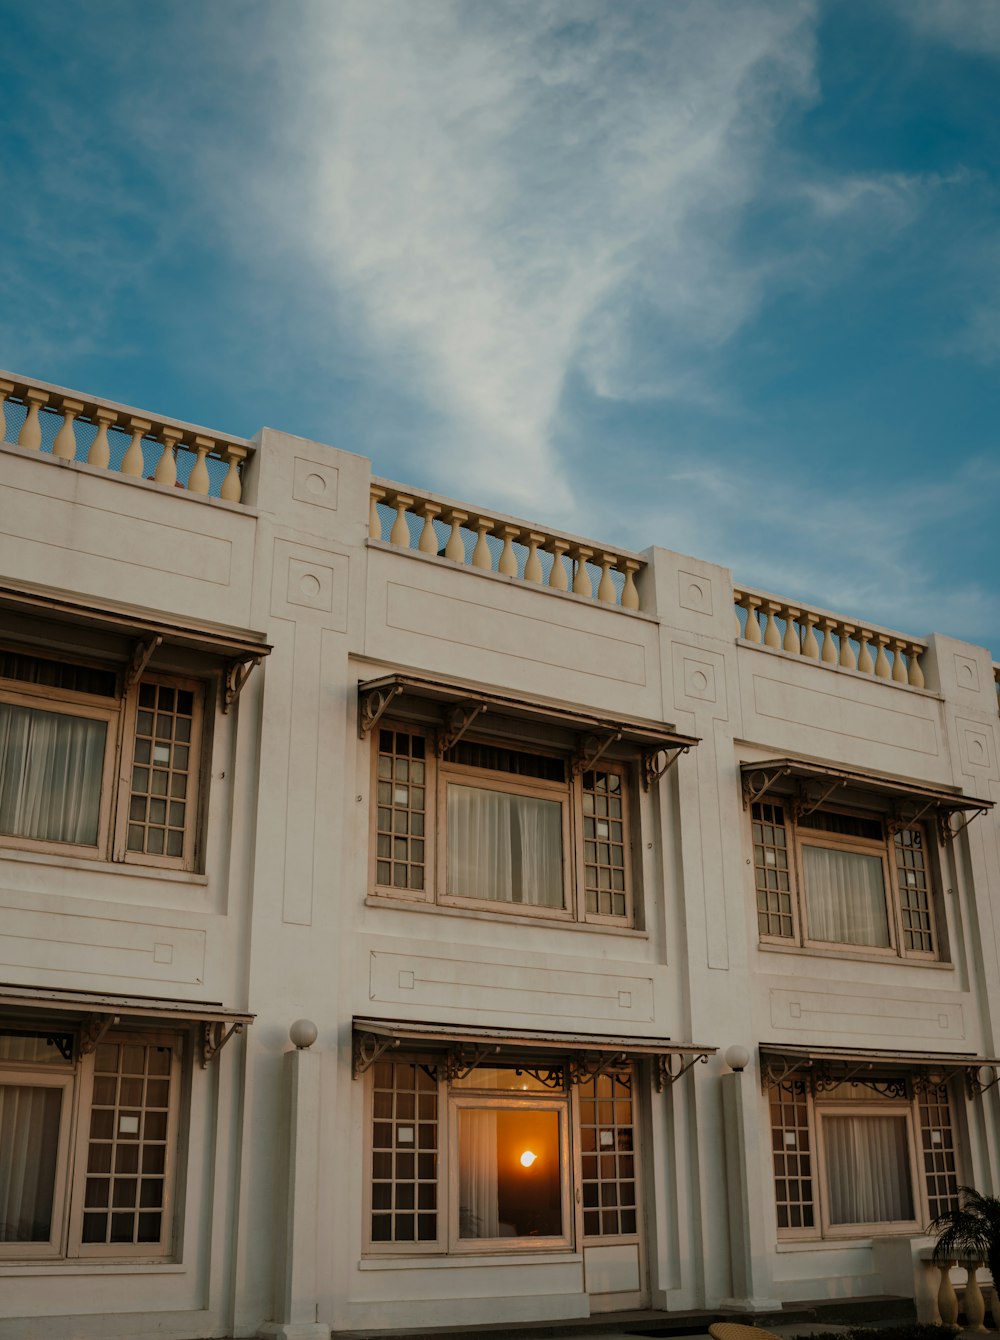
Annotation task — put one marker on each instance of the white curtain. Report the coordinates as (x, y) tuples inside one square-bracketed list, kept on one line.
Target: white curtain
[(504, 848), (50, 775), (478, 1209), (29, 1143), (868, 1169), (845, 897)]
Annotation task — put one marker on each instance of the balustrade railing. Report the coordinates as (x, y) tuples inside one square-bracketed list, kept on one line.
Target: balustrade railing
[(72, 426), (768, 621), (501, 544)]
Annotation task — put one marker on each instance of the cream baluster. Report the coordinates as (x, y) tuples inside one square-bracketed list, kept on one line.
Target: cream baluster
[(582, 585), (400, 533), (481, 556), (375, 496), (882, 670), (133, 462), (810, 647), (455, 548), (198, 480), (507, 563), (64, 445), (606, 588), (752, 633), (532, 564), (6, 389), (166, 467), (232, 485), (865, 663), (30, 435), (428, 543), (947, 1299), (829, 653), (772, 638), (630, 592), (899, 674), (558, 579), (847, 659), (916, 673), (100, 449), (791, 640), (975, 1304)]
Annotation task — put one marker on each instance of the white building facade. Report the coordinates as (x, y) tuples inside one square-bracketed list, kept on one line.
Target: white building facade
[(643, 922)]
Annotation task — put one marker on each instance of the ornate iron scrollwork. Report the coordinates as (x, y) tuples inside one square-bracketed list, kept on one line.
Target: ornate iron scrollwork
[(93, 1029), (214, 1036), (368, 1047), (652, 767), (457, 721), (237, 674), (592, 749), (373, 705), (670, 1066)]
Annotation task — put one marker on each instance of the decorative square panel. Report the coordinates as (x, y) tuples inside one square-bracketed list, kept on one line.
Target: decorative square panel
[(694, 592), (316, 484)]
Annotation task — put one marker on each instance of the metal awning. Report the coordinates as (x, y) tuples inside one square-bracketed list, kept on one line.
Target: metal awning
[(820, 782), (456, 706), (820, 1068), (85, 1016), (240, 649), (456, 1049)]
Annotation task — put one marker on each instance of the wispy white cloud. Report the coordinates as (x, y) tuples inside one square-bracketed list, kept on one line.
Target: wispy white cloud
[(967, 25), (845, 545), (499, 191)]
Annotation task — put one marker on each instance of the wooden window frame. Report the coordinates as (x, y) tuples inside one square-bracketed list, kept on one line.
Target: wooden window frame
[(66, 1079), (798, 836), (119, 713), (901, 1107), (76, 1079), (439, 773), (818, 1107)]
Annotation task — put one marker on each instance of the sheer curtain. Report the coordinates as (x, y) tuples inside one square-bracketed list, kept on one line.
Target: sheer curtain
[(868, 1169), (504, 847), (29, 1144), (845, 897), (50, 775), (478, 1208)]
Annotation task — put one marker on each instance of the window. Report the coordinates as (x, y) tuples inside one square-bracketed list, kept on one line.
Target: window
[(831, 877), (489, 1161), (87, 1147), (859, 1157), (501, 827), (90, 770)]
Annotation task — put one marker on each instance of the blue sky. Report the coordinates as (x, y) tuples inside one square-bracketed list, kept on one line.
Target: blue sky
[(719, 277)]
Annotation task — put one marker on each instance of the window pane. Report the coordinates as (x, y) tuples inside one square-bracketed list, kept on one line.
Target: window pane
[(845, 897), (127, 1135), (29, 1144), (155, 828), (868, 1169), (509, 1174), (792, 1155), (50, 775), (504, 848), (606, 1125), (401, 810), (401, 1179)]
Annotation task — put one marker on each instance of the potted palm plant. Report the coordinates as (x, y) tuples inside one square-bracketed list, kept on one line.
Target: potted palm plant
[(971, 1232)]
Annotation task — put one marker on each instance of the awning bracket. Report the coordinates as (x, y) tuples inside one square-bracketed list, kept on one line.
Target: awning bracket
[(591, 1065), (652, 770), (368, 1047), (459, 1063), (142, 654), (214, 1036), (974, 1083), (804, 805), (667, 1073), (592, 749), (374, 704), (93, 1029), (237, 674), (457, 720), (949, 834), (756, 784)]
